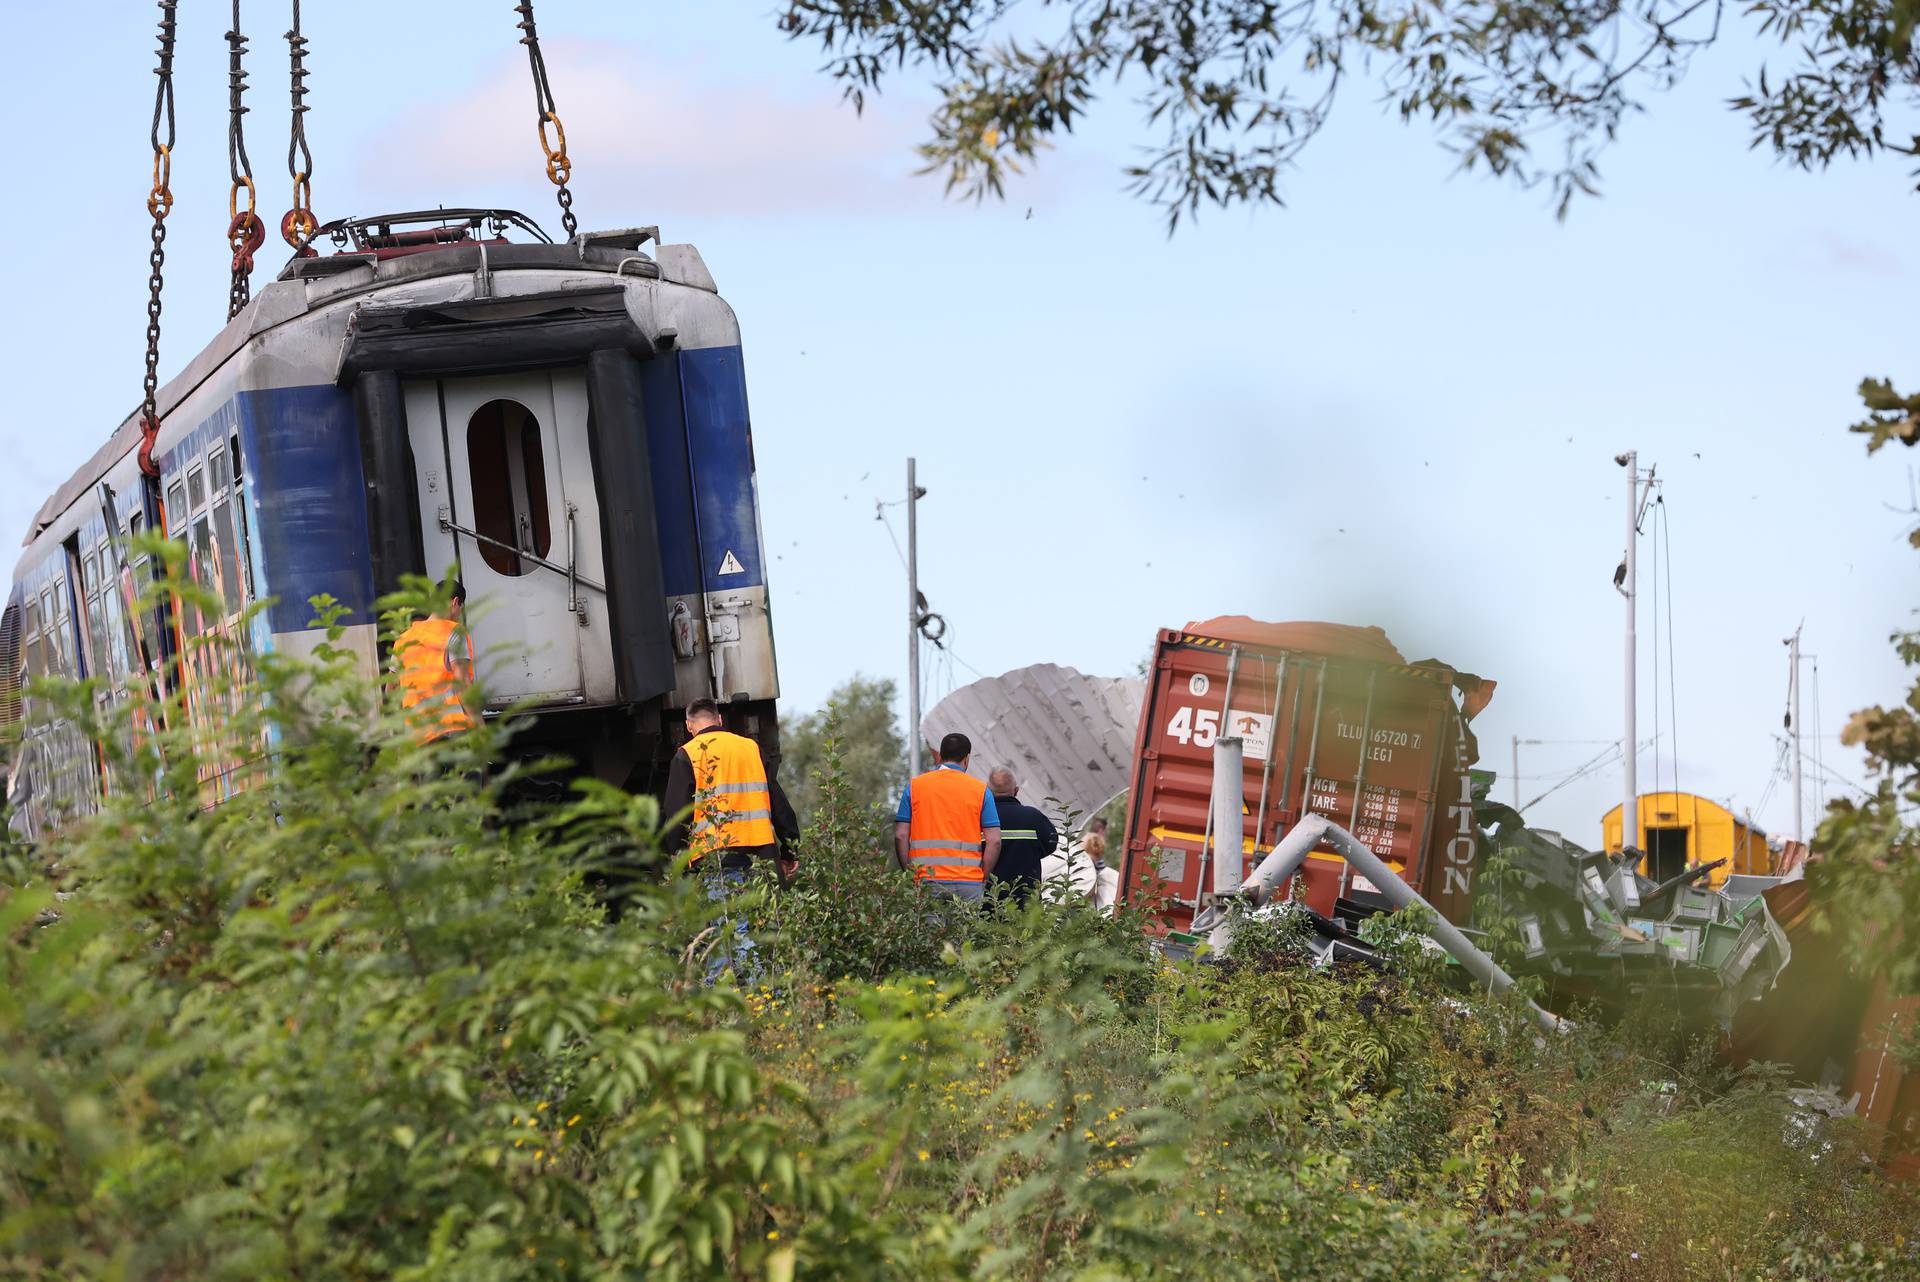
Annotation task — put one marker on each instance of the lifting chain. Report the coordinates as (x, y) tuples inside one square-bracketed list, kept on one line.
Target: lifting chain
[(159, 204), (245, 232), (559, 167), (299, 225)]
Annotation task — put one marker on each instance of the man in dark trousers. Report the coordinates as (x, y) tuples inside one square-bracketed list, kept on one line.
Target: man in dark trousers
[(740, 818), (1026, 837)]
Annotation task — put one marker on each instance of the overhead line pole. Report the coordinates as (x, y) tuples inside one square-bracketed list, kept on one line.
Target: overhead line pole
[(914, 492), (1793, 729), (1629, 739)]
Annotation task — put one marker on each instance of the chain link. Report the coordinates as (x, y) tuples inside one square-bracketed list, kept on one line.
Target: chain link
[(245, 232), (298, 226), (159, 204), (559, 166)]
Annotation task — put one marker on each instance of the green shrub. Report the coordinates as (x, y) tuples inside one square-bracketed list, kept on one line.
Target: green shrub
[(365, 1020)]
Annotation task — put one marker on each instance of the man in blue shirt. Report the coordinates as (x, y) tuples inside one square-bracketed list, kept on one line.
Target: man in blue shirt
[(947, 830)]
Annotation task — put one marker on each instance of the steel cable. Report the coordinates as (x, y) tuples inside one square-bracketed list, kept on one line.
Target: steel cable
[(245, 233), (559, 166), (159, 204), (297, 228)]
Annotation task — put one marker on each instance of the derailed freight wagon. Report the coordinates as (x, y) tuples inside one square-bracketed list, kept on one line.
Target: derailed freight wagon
[(565, 423), (1332, 721)]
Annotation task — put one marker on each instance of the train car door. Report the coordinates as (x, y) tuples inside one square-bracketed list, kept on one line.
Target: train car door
[(506, 491)]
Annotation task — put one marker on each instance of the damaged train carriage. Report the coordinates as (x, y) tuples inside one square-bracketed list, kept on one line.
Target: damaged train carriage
[(566, 423)]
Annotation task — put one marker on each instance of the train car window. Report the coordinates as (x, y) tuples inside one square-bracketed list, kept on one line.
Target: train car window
[(12, 666), (196, 488), (240, 545), (217, 470), (200, 570), (103, 614), (177, 507), (227, 567), (62, 627), (86, 649), (509, 475), (46, 659), (96, 631), (30, 648)]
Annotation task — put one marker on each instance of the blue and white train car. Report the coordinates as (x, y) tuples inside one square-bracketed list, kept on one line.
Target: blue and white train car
[(566, 423)]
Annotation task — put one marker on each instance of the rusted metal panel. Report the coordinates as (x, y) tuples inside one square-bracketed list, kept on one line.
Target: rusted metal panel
[(1378, 747), (1064, 734)]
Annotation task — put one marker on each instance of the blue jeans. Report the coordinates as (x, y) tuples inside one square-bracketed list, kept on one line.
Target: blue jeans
[(734, 950), (967, 892)]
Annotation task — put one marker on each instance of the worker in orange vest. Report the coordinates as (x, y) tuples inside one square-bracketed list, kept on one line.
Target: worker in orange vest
[(738, 814), (735, 806), (947, 830), (435, 657)]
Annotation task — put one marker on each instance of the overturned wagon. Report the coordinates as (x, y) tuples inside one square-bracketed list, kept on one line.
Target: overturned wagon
[(1333, 721)]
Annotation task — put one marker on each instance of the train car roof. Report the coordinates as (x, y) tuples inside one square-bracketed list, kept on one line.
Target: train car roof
[(612, 252)]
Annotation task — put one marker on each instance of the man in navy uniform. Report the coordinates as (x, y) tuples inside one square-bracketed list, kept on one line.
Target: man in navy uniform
[(1026, 837)]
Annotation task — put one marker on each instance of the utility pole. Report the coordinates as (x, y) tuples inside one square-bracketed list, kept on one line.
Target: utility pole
[(1517, 741), (1793, 728), (914, 495), (1628, 583)]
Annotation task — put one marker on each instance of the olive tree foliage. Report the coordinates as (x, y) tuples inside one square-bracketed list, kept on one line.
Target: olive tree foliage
[(1233, 90), (1871, 850)]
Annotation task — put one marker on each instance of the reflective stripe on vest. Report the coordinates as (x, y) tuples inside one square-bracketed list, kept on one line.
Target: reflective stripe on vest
[(436, 664), (1019, 834), (733, 803), (943, 831)]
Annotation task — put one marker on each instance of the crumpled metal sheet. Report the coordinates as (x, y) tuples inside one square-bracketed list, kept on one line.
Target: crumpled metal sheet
[(1064, 734)]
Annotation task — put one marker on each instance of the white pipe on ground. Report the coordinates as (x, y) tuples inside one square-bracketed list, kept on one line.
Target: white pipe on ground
[(1292, 851)]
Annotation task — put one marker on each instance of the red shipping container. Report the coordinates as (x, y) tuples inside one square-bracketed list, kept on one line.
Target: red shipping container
[(1331, 719)]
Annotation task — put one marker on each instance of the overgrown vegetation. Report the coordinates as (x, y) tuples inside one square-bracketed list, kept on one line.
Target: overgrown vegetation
[(364, 1020), (870, 755), (1870, 850)]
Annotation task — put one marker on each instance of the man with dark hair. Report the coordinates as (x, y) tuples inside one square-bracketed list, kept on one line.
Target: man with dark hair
[(435, 658), (736, 806), (1026, 837), (947, 830), (740, 819)]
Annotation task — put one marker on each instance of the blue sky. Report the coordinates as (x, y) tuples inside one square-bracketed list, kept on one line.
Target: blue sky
[(1395, 401)]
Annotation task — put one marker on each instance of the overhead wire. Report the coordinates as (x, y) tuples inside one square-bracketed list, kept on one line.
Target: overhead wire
[(880, 515), (1602, 758)]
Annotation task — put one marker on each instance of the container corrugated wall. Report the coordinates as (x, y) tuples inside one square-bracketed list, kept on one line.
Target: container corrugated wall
[(1375, 747)]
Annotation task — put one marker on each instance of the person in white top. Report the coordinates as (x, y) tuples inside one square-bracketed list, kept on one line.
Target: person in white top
[(1084, 865)]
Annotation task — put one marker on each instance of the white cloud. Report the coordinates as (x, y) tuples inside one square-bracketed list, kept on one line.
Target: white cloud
[(1856, 254), (655, 141)]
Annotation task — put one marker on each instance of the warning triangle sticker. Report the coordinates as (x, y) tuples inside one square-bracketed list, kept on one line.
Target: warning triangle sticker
[(730, 564)]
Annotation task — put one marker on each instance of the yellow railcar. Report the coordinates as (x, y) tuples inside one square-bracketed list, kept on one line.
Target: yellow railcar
[(1678, 830)]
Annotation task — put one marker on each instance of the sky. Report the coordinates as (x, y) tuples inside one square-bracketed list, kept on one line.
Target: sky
[(1395, 401)]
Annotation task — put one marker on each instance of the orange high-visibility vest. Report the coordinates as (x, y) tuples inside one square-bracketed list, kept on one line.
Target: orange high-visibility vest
[(436, 665), (733, 805), (943, 833)]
